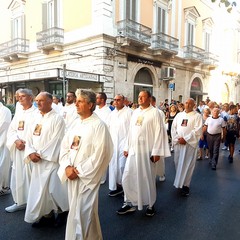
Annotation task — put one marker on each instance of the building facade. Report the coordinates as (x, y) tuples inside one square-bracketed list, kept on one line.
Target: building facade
[(173, 48)]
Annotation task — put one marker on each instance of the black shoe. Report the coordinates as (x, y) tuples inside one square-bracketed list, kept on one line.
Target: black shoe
[(45, 222), (150, 211), (185, 191), (117, 192), (213, 166), (61, 219), (126, 209), (230, 159)]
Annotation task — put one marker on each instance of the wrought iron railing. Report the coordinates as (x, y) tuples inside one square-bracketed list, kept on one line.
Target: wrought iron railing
[(15, 46), (210, 59), (162, 41), (192, 52), (135, 31), (50, 36)]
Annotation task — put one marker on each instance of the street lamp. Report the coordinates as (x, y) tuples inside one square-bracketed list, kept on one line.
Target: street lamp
[(65, 85)]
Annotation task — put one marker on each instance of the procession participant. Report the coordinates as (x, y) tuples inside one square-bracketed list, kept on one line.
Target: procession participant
[(144, 148), (83, 165), (160, 165), (42, 149), (68, 112), (186, 131), (119, 121), (5, 162), (16, 140), (103, 112)]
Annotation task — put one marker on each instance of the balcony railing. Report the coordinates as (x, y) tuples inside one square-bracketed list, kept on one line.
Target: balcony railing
[(210, 59), (14, 47), (193, 53), (162, 41), (134, 31), (50, 37)]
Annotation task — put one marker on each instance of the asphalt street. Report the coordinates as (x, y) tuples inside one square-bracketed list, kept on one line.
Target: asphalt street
[(212, 211)]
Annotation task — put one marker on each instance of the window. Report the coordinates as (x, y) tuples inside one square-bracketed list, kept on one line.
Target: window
[(18, 20), (131, 9), (161, 12), (207, 33), (191, 15), (50, 16), (190, 34)]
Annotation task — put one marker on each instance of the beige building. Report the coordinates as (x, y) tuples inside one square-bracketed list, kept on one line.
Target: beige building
[(174, 48)]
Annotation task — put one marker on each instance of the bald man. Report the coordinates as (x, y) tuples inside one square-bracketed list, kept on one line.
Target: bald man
[(46, 193), (186, 131)]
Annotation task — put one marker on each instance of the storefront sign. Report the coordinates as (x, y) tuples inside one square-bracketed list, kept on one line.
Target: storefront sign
[(52, 73), (80, 76), (18, 77)]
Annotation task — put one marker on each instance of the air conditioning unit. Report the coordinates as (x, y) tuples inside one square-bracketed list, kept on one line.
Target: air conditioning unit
[(168, 73)]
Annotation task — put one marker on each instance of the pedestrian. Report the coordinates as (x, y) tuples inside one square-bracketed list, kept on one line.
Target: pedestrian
[(16, 141), (216, 132), (232, 126), (47, 195), (144, 148), (103, 111), (186, 132), (5, 162), (83, 168), (119, 121)]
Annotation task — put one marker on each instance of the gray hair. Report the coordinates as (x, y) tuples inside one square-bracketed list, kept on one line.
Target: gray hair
[(25, 91), (89, 95)]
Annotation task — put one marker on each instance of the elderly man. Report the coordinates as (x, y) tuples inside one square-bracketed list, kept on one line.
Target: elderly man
[(85, 154), (119, 120), (42, 149), (186, 132), (5, 162), (16, 140), (144, 148)]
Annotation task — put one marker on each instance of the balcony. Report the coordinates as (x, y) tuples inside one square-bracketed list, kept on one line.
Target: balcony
[(193, 55), (133, 34), (164, 44), (50, 39), (14, 50), (210, 61)]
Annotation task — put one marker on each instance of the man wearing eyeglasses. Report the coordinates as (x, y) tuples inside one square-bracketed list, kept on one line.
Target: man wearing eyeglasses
[(119, 121)]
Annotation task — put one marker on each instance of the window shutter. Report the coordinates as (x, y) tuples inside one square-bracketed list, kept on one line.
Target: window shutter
[(44, 16), (56, 13), (23, 27), (12, 29)]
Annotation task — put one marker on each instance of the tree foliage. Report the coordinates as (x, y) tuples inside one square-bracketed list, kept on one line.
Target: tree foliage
[(228, 4)]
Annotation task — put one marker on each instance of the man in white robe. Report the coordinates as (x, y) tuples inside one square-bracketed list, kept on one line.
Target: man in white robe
[(68, 112), (160, 165), (46, 193), (85, 154), (103, 112), (146, 144), (16, 140), (119, 121), (186, 132), (5, 163)]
